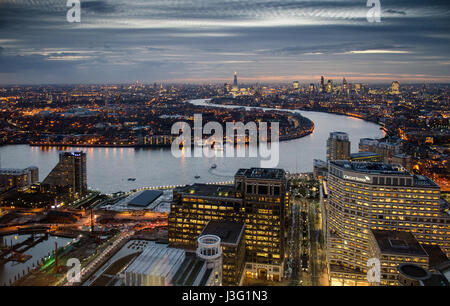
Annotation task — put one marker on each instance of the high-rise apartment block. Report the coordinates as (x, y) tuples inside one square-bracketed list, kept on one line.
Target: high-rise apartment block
[(338, 146), (70, 173)]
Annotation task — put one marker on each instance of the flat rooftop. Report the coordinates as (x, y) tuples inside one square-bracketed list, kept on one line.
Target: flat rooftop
[(145, 198), (208, 190), (395, 242), (158, 260), (228, 232), (190, 270), (364, 154), (262, 173), (371, 167)]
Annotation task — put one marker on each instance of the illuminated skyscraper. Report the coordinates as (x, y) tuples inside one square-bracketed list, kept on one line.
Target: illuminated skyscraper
[(330, 86), (295, 85), (322, 84), (395, 88), (70, 172), (258, 199), (364, 197), (235, 82)]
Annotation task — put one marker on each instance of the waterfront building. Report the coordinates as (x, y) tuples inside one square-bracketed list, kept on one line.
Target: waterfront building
[(403, 159), (338, 146), (385, 148), (258, 199), (366, 196), (18, 178), (70, 173)]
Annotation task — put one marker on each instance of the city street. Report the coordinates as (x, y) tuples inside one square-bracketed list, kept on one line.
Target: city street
[(306, 263)]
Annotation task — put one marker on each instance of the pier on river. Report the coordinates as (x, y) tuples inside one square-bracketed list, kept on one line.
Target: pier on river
[(16, 252)]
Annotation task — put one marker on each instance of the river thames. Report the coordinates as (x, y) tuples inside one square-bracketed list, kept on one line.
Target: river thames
[(108, 169)]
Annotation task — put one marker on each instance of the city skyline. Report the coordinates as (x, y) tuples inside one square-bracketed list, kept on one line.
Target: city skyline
[(206, 41)]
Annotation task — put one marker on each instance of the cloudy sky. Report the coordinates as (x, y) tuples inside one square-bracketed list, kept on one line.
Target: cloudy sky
[(207, 40)]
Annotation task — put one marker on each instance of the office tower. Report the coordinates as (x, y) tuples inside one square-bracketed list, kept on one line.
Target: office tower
[(395, 88), (338, 146), (232, 245), (330, 86), (377, 196), (235, 82), (70, 173), (392, 249), (295, 84), (311, 88), (258, 199), (18, 178), (344, 85), (322, 84)]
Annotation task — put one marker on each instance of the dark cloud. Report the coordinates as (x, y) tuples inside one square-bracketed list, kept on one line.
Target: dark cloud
[(97, 6), (391, 11), (121, 40)]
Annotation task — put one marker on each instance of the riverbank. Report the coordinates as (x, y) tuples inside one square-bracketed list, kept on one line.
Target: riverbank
[(108, 169), (320, 110)]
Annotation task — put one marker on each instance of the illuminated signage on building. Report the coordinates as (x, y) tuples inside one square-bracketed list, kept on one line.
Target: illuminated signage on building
[(365, 179)]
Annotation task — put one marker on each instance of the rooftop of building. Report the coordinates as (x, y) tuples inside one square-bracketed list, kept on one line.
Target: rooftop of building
[(208, 190), (339, 136), (402, 155), (423, 181), (363, 154), (262, 173), (435, 280), (396, 242), (179, 267), (228, 232), (189, 271), (414, 271), (145, 198), (371, 167), (75, 153), (16, 171), (436, 257)]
